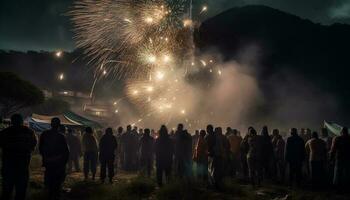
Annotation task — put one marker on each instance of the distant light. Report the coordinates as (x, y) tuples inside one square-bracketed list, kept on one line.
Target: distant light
[(149, 89), (116, 111), (149, 20), (135, 92), (166, 58), (152, 59), (187, 23), (204, 9), (58, 54), (160, 75), (98, 113), (65, 92), (61, 76), (104, 72), (183, 112), (115, 103), (203, 63), (219, 72)]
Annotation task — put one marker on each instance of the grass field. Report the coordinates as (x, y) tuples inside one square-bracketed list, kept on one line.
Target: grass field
[(129, 186)]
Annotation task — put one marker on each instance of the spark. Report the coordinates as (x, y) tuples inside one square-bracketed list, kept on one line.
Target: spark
[(203, 63), (58, 54), (187, 23), (152, 59), (116, 111), (149, 89), (204, 9), (104, 72), (219, 72), (160, 75), (61, 76), (183, 111)]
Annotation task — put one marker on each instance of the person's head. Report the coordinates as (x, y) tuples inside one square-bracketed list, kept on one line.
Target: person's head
[(264, 131), (293, 132), (228, 130), (128, 128), (210, 128), (55, 123), (302, 131), (202, 133), (88, 130), (120, 130), (163, 131), (17, 120), (324, 132), (345, 131), (218, 131), (140, 131), (275, 132), (234, 132), (196, 132), (180, 127), (252, 131), (314, 135), (147, 132), (109, 131)]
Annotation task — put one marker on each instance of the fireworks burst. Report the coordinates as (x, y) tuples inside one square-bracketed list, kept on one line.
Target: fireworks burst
[(148, 42)]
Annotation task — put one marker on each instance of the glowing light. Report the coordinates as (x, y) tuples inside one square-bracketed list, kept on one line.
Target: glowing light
[(104, 72), (203, 63), (219, 72), (211, 61), (166, 58), (135, 92), (160, 75), (183, 112), (61, 76), (192, 64), (149, 89), (127, 20), (152, 59), (149, 20), (187, 23), (204, 9), (116, 111), (58, 54)]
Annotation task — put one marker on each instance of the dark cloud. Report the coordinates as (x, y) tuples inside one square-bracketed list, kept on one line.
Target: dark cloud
[(41, 24)]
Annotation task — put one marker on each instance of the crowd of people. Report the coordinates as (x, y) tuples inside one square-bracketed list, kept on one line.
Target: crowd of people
[(209, 155)]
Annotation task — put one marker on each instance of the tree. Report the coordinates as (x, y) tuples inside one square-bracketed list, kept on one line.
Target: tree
[(16, 93), (52, 106)]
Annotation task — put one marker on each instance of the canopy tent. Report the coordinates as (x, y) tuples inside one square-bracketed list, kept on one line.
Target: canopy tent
[(333, 128), (42, 122), (82, 120)]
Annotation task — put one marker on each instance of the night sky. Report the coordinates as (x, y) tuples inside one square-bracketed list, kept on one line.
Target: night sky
[(42, 24)]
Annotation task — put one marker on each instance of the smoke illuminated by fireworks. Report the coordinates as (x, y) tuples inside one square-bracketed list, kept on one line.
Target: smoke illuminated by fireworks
[(147, 42)]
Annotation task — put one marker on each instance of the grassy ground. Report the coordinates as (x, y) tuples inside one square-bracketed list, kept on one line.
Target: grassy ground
[(132, 186)]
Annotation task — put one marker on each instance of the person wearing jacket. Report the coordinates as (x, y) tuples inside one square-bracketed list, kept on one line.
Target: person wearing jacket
[(74, 146), (164, 151), (17, 143), (183, 152), (108, 147), (254, 150), (340, 153), (146, 152), (316, 148), (90, 151), (55, 153), (201, 156), (294, 156), (267, 156)]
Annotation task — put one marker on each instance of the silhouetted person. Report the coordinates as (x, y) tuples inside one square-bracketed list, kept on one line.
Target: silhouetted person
[(195, 138), (90, 150), (278, 148), (330, 165), (267, 156), (254, 156), (128, 148), (340, 153), (220, 156), (183, 152), (235, 147), (55, 153), (164, 151), (243, 157), (120, 155), (294, 156), (17, 143), (75, 153), (108, 147), (201, 156), (317, 150), (146, 152)]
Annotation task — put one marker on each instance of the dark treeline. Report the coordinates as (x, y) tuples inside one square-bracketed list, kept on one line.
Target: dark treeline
[(303, 158)]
